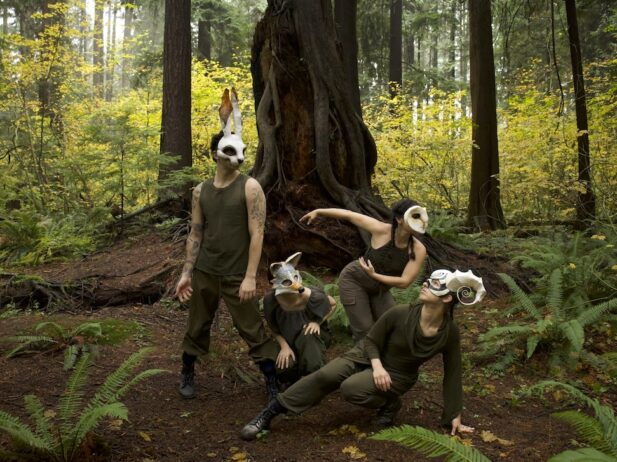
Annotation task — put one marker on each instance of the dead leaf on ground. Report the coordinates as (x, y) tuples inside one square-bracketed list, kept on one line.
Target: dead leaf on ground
[(489, 437), (49, 413), (354, 452), (116, 424), (144, 436)]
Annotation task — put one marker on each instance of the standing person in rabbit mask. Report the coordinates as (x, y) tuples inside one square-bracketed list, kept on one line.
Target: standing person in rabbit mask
[(297, 315), (222, 254), (393, 259)]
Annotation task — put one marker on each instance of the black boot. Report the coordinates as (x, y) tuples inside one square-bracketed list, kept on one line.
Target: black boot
[(386, 414), (262, 421), (187, 379), (269, 370)]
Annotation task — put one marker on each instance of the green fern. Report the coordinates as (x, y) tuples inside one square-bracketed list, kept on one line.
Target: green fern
[(28, 344), (573, 331), (431, 444), (554, 298), (60, 438), (597, 312), (520, 296), (582, 455), (588, 429)]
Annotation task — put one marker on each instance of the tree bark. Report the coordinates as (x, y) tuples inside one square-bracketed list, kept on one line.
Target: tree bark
[(314, 149), (98, 77), (127, 36), (176, 117), (395, 75), (345, 14), (204, 40), (484, 210), (586, 204)]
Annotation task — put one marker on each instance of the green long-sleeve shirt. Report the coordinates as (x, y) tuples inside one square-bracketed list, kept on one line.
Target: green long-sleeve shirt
[(397, 340)]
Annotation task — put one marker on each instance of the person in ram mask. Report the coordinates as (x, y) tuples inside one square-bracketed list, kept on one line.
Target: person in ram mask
[(385, 364)]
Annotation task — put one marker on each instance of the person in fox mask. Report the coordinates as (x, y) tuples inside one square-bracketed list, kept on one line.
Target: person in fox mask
[(296, 315), (223, 251), (381, 368), (394, 258)]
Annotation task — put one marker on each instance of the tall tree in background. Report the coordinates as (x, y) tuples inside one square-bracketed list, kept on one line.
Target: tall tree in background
[(98, 52), (176, 117), (395, 76), (313, 149), (586, 204), (484, 210), (345, 14)]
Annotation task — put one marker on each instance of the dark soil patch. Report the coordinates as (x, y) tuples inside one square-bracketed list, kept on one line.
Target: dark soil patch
[(163, 427)]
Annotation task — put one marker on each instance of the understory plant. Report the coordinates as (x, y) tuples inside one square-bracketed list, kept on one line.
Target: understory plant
[(338, 319), (551, 323), (431, 444), (60, 434), (50, 336), (598, 433)]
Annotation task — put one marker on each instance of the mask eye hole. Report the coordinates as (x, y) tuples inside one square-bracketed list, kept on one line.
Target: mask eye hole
[(287, 282), (415, 216), (296, 277), (434, 283), (229, 151)]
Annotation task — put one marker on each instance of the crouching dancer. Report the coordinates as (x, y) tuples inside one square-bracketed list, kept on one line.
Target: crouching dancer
[(297, 317), (385, 364)]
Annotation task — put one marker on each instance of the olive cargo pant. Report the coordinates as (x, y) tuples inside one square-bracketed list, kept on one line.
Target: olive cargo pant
[(207, 290), (355, 381)]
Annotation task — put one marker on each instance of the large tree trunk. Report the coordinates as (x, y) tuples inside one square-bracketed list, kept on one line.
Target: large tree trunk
[(345, 14), (484, 204), (586, 204), (314, 149), (176, 117), (395, 75)]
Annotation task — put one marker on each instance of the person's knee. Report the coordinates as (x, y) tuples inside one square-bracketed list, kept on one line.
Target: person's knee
[(349, 391)]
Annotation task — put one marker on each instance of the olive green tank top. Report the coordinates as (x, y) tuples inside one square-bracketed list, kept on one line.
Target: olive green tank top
[(225, 244)]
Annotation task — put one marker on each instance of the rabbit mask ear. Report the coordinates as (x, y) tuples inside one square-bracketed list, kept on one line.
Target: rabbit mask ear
[(231, 146), (286, 279)]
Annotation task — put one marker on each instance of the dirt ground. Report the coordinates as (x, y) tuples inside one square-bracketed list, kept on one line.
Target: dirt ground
[(164, 427)]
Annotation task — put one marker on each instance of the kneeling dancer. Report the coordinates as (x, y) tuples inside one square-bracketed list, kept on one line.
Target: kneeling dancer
[(385, 364)]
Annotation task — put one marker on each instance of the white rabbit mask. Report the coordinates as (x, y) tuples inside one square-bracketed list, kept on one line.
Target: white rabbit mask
[(231, 142)]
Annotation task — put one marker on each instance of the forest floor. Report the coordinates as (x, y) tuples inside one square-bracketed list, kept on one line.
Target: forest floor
[(164, 427)]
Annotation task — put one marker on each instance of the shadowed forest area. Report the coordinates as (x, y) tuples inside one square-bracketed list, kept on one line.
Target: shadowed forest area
[(499, 117)]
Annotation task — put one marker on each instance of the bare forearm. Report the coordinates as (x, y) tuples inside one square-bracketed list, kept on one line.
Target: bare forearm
[(255, 247), (281, 341), (193, 243), (376, 364)]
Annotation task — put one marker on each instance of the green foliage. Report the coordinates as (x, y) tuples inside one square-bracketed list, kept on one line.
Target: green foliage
[(598, 432), (338, 320), (431, 444), (59, 435), (50, 336), (551, 324)]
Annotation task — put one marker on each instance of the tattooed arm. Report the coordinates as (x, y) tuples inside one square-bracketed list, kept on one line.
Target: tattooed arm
[(193, 242), (256, 208)]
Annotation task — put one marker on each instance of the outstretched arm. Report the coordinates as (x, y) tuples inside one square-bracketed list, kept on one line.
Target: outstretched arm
[(256, 209), (410, 272), (193, 243), (365, 222)]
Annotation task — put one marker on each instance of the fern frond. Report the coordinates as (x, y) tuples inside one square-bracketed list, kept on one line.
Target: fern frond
[(37, 413), (108, 391), (532, 343), (88, 421), (574, 332), (71, 399), (138, 378), (512, 330), (21, 432), (593, 314), (554, 298), (431, 444), (588, 429), (54, 329), (582, 455), (88, 329), (28, 343), (70, 356), (520, 296), (604, 414)]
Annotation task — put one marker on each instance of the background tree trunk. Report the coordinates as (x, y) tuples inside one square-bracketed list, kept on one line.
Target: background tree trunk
[(586, 204), (314, 149), (484, 210), (176, 117), (204, 40), (98, 77), (395, 75), (127, 36), (345, 14)]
